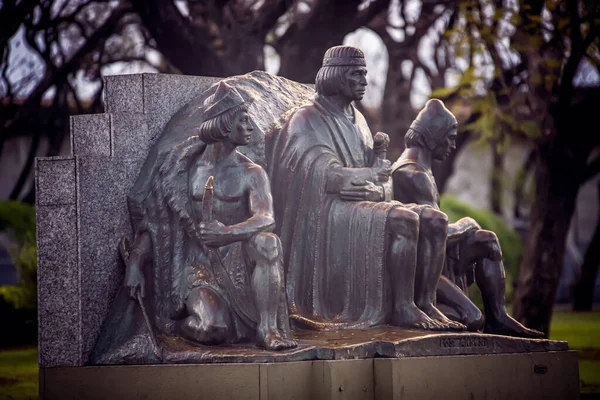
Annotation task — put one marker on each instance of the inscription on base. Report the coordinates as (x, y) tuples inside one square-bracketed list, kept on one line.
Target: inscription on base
[(464, 342)]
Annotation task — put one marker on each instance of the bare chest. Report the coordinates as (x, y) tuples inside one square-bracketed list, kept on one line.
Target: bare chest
[(228, 185)]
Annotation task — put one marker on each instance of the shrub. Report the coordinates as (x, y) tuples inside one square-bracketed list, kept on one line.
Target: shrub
[(18, 303)]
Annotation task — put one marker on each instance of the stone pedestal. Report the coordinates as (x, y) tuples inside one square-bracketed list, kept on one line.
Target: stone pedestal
[(549, 375)]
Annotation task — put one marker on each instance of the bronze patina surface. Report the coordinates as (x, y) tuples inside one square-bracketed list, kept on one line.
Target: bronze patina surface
[(228, 253), (383, 342)]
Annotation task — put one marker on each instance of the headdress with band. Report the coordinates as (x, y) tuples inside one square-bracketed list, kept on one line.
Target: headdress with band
[(344, 56), (224, 99), (344, 62), (433, 121)]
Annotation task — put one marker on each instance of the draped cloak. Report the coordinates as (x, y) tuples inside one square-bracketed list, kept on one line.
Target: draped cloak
[(159, 203), (179, 263), (334, 250)]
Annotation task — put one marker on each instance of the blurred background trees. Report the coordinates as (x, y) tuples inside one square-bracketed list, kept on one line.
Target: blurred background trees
[(513, 71)]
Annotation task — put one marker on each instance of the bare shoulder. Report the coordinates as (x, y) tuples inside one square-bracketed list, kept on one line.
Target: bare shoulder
[(256, 174), (422, 179), (412, 173), (413, 185)]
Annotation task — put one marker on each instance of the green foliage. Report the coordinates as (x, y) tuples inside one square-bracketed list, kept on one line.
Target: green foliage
[(25, 260), (510, 241), (18, 303), (18, 219)]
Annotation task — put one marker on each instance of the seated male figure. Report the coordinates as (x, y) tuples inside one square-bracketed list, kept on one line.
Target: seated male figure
[(353, 257), (473, 254)]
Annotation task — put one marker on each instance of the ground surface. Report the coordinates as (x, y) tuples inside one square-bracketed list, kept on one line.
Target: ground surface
[(19, 373), (18, 367), (582, 331)]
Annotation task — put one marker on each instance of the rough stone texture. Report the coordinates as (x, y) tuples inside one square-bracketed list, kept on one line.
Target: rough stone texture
[(90, 135), (130, 139), (55, 181), (59, 322), (103, 183), (165, 94), (124, 94), (76, 289)]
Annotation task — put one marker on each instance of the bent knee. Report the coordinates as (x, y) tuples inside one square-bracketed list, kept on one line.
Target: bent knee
[(483, 236), (266, 245), (489, 241), (473, 319), (434, 219), (403, 221)]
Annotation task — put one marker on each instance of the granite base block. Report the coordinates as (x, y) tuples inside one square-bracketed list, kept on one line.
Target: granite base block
[(165, 94), (551, 375), (90, 135), (59, 315), (55, 181), (103, 184), (130, 138), (124, 93)]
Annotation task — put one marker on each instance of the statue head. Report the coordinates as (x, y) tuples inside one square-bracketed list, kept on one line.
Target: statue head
[(343, 73), (226, 117), (434, 129)]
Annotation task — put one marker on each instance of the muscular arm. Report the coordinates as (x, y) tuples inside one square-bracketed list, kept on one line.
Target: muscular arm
[(414, 186), (261, 206)]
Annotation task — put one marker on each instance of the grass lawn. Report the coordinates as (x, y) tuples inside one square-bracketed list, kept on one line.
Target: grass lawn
[(18, 373), (582, 331), (19, 369)]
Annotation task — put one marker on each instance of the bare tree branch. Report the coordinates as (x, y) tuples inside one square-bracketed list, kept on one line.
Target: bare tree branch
[(53, 76), (11, 17)]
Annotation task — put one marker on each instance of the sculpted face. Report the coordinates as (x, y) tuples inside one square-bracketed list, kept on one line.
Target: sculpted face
[(446, 145), (241, 134), (356, 83)]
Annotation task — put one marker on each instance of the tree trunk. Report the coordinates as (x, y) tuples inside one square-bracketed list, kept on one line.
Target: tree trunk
[(302, 46), (496, 179), (201, 48), (584, 290), (301, 60), (397, 112), (556, 191), (18, 188)]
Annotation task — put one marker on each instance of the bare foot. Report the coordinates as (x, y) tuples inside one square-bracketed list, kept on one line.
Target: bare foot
[(412, 317), (508, 326), (447, 324), (272, 339)]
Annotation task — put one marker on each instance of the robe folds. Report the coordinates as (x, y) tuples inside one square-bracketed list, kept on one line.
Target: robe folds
[(334, 251)]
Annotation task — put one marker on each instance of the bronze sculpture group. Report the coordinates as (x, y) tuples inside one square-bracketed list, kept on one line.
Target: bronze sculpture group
[(328, 236)]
